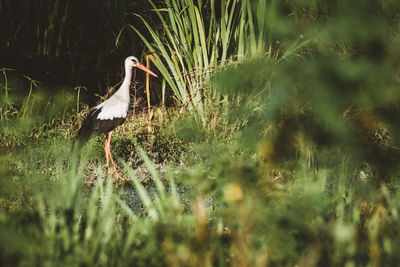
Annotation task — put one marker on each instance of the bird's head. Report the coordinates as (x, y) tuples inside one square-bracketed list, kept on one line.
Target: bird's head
[(132, 61)]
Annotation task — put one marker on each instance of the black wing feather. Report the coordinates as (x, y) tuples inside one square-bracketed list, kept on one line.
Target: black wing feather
[(93, 126)]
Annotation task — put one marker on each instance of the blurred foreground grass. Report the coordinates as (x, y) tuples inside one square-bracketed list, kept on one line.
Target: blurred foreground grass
[(217, 202)]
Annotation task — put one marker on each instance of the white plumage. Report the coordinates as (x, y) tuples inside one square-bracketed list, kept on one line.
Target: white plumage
[(113, 108)]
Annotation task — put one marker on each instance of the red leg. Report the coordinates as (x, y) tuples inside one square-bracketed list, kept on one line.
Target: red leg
[(112, 160), (107, 149)]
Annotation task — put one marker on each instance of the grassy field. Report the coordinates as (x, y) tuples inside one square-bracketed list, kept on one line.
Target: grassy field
[(281, 146)]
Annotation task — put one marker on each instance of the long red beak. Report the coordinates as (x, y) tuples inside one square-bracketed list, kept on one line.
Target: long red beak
[(142, 67)]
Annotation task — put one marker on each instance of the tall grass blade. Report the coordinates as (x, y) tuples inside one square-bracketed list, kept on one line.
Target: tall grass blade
[(142, 193)]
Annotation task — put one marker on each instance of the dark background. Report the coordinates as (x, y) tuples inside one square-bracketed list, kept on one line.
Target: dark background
[(72, 42)]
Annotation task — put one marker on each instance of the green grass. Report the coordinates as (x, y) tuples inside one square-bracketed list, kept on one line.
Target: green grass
[(59, 208), (194, 41)]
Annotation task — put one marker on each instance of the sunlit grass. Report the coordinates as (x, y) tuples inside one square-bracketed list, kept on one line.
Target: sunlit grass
[(233, 206)]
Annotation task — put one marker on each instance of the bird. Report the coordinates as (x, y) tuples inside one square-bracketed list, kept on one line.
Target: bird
[(108, 115)]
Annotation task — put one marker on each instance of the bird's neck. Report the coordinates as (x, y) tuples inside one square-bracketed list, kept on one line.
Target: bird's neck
[(124, 89)]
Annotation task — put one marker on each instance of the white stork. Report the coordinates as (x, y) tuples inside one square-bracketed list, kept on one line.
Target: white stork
[(105, 117)]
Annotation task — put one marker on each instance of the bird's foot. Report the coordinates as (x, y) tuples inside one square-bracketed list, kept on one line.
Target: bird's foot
[(117, 176)]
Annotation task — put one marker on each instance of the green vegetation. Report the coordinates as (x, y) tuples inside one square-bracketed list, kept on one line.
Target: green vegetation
[(281, 148)]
